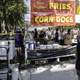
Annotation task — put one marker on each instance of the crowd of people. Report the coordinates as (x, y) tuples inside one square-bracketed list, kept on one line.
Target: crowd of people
[(61, 36), (49, 36)]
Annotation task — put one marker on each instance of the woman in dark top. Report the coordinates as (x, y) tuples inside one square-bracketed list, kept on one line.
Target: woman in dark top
[(19, 40), (42, 36)]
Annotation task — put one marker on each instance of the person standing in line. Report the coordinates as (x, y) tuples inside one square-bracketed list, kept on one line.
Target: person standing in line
[(78, 56), (68, 38), (61, 35), (49, 35), (19, 40), (42, 38), (57, 36), (35, 35)]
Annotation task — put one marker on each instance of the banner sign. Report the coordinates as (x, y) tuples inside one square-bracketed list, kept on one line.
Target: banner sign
[(52, 12), (78, 7)]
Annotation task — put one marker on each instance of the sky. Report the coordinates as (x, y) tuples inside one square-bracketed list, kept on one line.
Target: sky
[(27, 16)]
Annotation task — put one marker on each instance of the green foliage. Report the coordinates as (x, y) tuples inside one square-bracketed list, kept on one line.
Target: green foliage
[(12, 13)]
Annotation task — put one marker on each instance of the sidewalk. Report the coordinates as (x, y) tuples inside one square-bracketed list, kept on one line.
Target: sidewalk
[(51, 72)]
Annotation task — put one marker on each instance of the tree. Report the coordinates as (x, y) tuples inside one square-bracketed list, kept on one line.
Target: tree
[(12, 13)]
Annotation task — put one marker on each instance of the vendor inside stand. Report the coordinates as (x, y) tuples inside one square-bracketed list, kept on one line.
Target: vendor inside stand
[(54, 36), (68, 37)]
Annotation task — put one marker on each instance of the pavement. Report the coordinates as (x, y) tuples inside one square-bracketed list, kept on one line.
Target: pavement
[(65, 71), (51, 72)]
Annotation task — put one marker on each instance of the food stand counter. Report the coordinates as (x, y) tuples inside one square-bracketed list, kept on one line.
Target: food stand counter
[(47, 52)]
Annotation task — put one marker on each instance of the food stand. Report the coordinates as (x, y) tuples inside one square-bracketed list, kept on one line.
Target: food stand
[(52, 51), (43, 16)]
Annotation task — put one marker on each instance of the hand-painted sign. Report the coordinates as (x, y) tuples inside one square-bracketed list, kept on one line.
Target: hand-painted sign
[(52, 12)]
